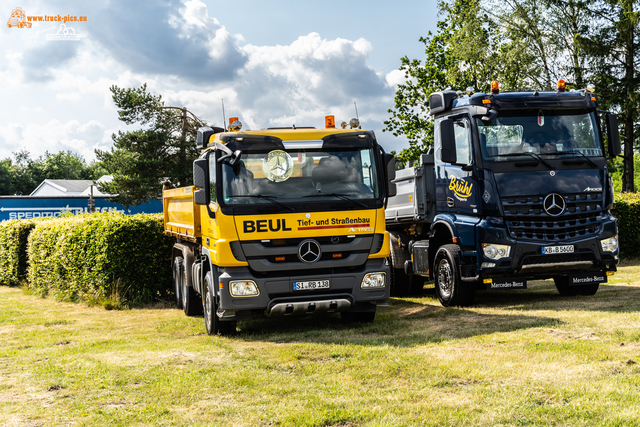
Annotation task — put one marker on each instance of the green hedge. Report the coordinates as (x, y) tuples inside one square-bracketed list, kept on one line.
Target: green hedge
[(627, 210), (13, 250), (101, 258)]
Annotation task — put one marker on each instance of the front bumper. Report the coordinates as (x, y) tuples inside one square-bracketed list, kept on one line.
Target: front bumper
[(277, 296), (527, 260)]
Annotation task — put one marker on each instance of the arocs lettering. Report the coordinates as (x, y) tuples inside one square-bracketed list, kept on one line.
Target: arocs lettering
[(264, 225)]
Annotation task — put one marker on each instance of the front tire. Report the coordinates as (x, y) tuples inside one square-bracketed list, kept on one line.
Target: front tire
[(214, 325), (178, 262), (563, 287), (362, 317), (451, 290)]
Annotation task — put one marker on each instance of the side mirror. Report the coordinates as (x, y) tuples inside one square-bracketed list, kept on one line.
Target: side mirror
[(447, 142), (201, 173), (613, 135), (390, 164), (200, 197)]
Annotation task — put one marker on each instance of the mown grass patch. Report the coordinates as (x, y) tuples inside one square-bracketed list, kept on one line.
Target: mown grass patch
[(517, 358)]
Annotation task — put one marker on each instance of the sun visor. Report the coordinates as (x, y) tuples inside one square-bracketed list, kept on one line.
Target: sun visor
[(252, 142), (343, 141)]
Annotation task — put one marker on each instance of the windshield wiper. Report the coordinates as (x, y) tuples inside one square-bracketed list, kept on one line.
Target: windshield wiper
[(340, 196), (576, 152), (532, 155), (269, 198)]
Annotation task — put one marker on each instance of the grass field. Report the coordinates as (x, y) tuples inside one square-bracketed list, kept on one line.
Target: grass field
[(517, 358)]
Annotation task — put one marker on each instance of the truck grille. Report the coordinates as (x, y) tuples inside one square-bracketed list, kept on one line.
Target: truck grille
[(526, 219), (282, 255)]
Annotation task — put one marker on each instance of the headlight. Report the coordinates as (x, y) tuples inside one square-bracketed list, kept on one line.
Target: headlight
[(243, 288), (493, 251), (610, 244), (373, 280)]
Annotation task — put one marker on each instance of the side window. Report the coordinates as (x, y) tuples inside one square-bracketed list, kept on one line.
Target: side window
[(463, 142), (212, 177)]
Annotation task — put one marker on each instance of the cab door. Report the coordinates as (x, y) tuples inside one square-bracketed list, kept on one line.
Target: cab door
[(459, 187)]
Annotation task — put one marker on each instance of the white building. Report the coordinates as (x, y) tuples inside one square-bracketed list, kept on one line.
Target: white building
[(69, 187)]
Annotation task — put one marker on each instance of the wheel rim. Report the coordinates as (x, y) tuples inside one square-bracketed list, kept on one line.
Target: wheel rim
[(445, 278), (207, 309), (176, 282), (185, 291)]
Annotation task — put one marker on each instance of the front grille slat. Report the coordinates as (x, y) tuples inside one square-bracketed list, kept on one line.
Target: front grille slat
[(526, 219)]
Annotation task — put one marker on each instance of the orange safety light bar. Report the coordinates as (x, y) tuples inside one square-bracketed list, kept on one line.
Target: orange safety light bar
[(495, 87), (561, 85), (329, 122), (233, 119)]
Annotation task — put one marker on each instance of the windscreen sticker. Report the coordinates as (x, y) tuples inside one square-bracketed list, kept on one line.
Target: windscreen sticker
[(461, 188), (540, 118), (277, 166)]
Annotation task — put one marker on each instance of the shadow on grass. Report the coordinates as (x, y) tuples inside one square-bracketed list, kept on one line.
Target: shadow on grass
[(402, 324)]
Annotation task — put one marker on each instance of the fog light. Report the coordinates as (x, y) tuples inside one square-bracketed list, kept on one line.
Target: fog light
[(610, 244), (493, 251), (373, 280), (488, 265), (243, 288)]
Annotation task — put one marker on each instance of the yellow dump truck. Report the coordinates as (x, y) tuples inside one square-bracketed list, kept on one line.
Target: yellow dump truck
[(282, 222)]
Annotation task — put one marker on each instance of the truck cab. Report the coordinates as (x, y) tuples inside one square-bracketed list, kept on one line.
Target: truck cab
[(515, 189), (282, 222)]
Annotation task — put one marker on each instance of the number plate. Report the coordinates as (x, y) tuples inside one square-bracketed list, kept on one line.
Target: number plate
[(557, 249), (312, 284)]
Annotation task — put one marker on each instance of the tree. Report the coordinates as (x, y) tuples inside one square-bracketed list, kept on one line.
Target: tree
[(467, 50), (163, 150), (23, 175), (613, 44)]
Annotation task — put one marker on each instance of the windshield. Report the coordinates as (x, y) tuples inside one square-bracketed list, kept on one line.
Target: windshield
[(540, 132), (280, 176)]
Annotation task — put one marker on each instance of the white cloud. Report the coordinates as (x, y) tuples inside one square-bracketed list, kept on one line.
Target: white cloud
[(54, 137)]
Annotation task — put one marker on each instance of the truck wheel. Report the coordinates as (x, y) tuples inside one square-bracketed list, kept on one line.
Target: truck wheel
[(402, 284), (590, 289), (191, 304), (212, 322), (562, 285), (178, 262), (363, 317), (450, 288)]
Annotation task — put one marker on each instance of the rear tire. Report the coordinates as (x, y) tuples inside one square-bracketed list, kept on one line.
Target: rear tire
[(451, 290), (178, 262), (214, 325)]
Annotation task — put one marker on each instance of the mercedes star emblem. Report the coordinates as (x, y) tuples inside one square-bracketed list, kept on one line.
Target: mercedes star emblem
[(554, 204), (309, 251)]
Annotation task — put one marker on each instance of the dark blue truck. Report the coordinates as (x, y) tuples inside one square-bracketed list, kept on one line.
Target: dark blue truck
[(515, 189)]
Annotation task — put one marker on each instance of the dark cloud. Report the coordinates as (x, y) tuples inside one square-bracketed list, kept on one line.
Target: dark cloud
[(39, 63), (155, 37)]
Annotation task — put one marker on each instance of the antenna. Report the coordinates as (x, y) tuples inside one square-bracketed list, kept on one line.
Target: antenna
[(358, 118), (224, 119)]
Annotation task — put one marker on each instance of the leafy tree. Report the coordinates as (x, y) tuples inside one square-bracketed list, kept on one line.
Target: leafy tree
[(163, 150), (468, 50), (6, 182), (614, 45)]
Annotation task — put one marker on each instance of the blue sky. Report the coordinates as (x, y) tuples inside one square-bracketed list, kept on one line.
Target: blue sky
[(275, 63)]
